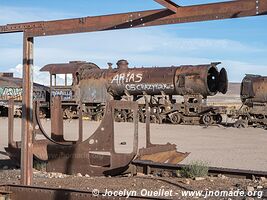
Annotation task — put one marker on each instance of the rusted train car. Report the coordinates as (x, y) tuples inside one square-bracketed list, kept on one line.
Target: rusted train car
[(89, 86), (253, 95), (11, 88)]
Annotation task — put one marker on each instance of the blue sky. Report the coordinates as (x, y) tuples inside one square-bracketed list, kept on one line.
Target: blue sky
[(240, 44)]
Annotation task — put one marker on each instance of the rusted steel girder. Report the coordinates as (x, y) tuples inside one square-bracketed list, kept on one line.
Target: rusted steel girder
[(168, 4), (27, 112), (184, 14)]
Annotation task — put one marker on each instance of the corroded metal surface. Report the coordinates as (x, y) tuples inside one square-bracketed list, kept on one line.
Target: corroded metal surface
[(253, 95), (184, 14), (176, 80), (254, 89), (96, 155), (192, 82)]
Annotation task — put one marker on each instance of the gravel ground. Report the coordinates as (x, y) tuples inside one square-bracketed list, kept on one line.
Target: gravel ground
[(137, 183), (218, 146)]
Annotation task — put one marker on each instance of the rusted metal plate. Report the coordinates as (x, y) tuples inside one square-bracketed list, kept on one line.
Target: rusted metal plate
[(162, 154), (95, 156), (254, 89), (57, 120)]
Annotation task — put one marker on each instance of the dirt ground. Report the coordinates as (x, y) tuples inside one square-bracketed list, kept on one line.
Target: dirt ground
[(217, 145), (141, 183)]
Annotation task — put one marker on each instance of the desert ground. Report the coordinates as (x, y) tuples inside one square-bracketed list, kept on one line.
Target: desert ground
[(217, 145)]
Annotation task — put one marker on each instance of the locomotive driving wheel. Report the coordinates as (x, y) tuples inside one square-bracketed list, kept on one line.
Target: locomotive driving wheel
[(68, 113), (156, 118), (240, 124), (218, 119), (120, 116), (175, 118), (141, 116), (206, 119)]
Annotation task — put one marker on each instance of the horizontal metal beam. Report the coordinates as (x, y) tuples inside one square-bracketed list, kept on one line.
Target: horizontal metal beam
[(185, 14), (168, 4)]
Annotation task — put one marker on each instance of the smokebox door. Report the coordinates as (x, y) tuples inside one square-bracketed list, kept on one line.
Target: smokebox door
[(223, 81)]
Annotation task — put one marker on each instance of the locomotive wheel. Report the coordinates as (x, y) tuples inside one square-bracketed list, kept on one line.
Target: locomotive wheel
[(141, 117), (69, 114), (206, 119), (42, 113), (130, 117), (120, 116), (175, 118), (218, 119), (240, 124), (98, 117), (157, 119)]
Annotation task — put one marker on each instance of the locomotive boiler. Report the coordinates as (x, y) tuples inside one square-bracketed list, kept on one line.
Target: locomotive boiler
[(91, 86), (183, 80)]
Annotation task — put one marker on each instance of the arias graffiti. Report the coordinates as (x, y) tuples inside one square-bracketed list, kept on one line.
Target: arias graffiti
[(125, 78)]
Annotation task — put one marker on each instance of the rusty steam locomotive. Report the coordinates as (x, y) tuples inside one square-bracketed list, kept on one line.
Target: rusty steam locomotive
[(91, 87), (86, 85), (253, 111)]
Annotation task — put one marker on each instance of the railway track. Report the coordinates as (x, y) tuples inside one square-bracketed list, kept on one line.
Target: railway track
[(148, 167), (17, 192)]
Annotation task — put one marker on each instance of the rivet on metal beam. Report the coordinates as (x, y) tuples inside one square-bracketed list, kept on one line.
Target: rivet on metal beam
[(257, 7)]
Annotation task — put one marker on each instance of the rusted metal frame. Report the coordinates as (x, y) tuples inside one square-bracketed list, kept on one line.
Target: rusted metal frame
[(185, 14), (11, 122), (57, 120), (168, 4), (27, 112)]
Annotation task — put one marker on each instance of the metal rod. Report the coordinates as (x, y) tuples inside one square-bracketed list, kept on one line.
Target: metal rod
[(148, 141), (27, 113), (11, 122), (80, 139)]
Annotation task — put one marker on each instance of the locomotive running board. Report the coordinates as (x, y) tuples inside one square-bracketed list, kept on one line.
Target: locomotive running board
[(96, 155)]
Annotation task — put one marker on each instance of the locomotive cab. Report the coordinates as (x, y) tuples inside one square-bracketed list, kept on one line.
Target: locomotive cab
[(62, 85)]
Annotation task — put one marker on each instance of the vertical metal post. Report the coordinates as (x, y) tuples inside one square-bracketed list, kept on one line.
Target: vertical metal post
[(10, 122), (80, 139), (27, 113), (57, 120), (148, 141)]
